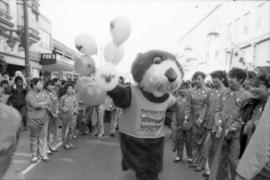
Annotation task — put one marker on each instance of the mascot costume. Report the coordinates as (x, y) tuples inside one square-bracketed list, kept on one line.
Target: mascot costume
[(10, 123), (157, 74)]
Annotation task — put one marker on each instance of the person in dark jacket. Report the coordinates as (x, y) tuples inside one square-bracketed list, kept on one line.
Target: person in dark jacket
[(252, 110), (17, 99)]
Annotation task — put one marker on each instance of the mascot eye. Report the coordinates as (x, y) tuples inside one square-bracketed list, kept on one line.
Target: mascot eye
[(157, 60)]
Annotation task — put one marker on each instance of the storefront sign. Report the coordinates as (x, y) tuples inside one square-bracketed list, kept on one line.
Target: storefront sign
[(48, 58)]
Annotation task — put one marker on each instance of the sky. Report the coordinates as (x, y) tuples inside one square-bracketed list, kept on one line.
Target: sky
[(156, 24)]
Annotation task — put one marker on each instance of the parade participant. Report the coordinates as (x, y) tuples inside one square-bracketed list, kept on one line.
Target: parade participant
[(53, 111), (107, 106), (3, 95), (17, 99), (38, 120), (9, 136), (252, 109), (251, 76), (82, 118), (5, 86), (69, 107), (19, 74), (114, 118), (57, 85), (196, 108), (95, 114), (227, 118), (182, 130), (219, 84), (141, 125), (255, 162)]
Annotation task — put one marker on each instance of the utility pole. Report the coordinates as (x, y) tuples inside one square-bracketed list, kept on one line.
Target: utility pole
[(26, 39)]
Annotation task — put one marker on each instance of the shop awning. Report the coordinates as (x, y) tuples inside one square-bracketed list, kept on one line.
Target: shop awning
[(52, 63)]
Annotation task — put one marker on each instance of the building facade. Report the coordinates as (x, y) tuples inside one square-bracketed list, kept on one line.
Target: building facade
[(65, 59), (11, 33), (232, 32)]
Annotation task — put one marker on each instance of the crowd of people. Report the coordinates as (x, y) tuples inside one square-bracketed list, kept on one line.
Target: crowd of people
[(215, 121), (46, 105)]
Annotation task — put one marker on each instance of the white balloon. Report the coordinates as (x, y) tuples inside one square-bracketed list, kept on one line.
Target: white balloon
[(82, 83), (85, 65), (120, 28), (112, 53), (86, 44), (106, 77), (92, 95)]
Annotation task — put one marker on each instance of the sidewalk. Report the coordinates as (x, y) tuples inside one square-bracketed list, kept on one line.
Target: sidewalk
[(22, 156)]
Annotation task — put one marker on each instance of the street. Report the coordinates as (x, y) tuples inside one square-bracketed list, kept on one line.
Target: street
[(96, 159)]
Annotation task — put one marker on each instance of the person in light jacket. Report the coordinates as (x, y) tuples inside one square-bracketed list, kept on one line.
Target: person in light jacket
[(38, 120), (53, 112), (69, 108)]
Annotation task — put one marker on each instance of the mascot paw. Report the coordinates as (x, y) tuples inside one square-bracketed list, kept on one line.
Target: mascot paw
[(106, 77)]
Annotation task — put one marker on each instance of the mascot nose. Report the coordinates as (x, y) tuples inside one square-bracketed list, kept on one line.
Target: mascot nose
[(171, 75)]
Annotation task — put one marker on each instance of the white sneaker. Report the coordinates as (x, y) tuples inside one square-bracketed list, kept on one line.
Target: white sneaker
[(100, 135), (34, 160), (189, 160)]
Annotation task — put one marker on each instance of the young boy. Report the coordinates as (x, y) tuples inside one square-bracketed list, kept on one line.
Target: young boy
[(69, 110), (181, 131)]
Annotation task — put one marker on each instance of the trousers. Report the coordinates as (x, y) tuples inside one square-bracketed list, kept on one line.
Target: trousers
[(38, 137)]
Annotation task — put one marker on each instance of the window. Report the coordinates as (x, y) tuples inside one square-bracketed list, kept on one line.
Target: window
[(35, 10), (259, 17), (246, 23), (262, 12), (36, 16), (216, 54), (229, 32), (236, 27), (4, 6)]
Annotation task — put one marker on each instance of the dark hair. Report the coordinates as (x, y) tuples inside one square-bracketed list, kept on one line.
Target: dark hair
[(221, 75), (47, 83), (189, 84), (184, 85), (69, 85), (34, 81), (197, 74), (54, 80), (4, 82), (238, 73), (264, 79), (251, 75), (18, 78), (63, 82)]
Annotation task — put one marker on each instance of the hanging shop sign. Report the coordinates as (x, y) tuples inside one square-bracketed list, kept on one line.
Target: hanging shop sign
[(48, 58)]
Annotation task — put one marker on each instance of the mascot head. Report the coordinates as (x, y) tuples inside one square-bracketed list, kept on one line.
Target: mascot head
[(157, 72)]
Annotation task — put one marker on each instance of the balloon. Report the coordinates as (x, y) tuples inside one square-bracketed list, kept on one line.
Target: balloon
[(86, 44), (112, 53), (92, 95), (85, 65), (82, 83), (120, 28), (106, 77)]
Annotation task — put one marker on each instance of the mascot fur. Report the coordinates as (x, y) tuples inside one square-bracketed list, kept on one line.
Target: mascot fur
[(157, 74)]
